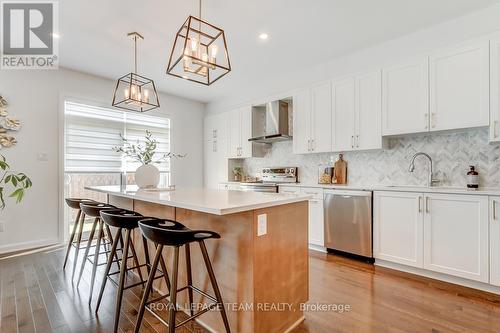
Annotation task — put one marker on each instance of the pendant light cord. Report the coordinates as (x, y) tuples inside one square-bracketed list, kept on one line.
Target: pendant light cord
[(135, 54)]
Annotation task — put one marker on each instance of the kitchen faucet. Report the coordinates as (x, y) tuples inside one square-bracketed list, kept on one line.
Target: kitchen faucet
[(431, 181)]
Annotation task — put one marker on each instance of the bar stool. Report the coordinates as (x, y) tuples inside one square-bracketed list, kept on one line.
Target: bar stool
[(93, 210), (128, 220), (174, 234), (74, 203)]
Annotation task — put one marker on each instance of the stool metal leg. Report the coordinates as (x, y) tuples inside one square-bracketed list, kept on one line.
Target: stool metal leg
[(189, 278), (78, 243), (96, 258), (213, 280), (172, 305), (72, 237), (108, 268), (147, 290), (87, 249), (121, 283)]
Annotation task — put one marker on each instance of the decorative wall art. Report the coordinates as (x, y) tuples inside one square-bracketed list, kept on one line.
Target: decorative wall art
[(7, 126)]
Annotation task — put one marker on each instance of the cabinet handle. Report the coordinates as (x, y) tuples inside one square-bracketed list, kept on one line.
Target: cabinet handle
[(357, 141), (419, 204), (352, 141), (494, 129), (312, 145), (494, 210), (314, 201), (426, 119), (427, 205), (433, 120)]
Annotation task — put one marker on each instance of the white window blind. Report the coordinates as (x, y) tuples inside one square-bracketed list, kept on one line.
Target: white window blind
[(92, 132)]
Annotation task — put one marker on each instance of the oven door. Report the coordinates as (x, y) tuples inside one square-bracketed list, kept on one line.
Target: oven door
[(259, 188)]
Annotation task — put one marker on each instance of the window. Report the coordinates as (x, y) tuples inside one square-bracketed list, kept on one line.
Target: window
[(92, 132)]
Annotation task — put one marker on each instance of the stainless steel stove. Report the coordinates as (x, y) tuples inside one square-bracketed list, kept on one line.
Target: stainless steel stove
[(271, 178)]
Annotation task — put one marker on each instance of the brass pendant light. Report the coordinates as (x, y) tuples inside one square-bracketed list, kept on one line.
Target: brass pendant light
[(135, 92), (199, 53)]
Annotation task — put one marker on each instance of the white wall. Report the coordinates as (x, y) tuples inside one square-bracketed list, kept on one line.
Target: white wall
[(455, 31), (35, 98)]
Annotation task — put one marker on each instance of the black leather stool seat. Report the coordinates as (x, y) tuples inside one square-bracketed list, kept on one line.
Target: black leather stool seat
[(121, 218), (172, 233), (75, 202), (93, 209)]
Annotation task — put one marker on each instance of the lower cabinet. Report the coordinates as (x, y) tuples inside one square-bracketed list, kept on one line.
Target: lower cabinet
[(495, 241), (316, 219), (398, 227), (439, 232)]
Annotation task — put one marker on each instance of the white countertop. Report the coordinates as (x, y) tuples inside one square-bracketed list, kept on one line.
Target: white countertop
[(218, 202), (400, 188)]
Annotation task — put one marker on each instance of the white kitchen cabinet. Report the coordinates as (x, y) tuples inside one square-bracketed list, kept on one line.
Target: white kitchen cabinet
[(405, 97), (302, 122), (495, 241), (316, 215), (456, 235), (344, 109), (369, 111), (215, 149), (398, 227), (495, 89), (459, 87), (289, 189), (240, 130), (312, 120), (321, 119), (357, 108)]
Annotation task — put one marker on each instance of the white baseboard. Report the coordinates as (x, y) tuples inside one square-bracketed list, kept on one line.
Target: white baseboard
[(317, 248), (439, 276), (27, 245)]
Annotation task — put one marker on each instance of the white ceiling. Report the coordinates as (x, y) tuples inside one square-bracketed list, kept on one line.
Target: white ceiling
[(302, 34)]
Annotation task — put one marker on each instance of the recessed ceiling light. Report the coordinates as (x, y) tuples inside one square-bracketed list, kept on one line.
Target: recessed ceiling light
[(55, 35), (263, 36)]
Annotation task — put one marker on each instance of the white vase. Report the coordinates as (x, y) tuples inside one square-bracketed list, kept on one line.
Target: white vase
[(147, 176)]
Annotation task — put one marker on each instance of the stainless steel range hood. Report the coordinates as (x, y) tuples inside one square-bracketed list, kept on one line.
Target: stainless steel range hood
[(276, 123)]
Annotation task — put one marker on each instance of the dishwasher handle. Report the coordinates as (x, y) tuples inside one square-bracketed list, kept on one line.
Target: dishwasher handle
[(347, 193)]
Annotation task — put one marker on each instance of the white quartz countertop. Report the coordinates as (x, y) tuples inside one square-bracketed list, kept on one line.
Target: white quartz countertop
[(218, 202), (399, 188)]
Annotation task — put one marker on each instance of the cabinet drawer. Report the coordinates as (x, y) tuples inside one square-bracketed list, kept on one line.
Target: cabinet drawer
[(317, 193), (289, 189)]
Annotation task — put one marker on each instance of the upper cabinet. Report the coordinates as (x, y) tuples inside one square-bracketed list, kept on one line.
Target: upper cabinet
[(405, 97), (240, 130), (357, 107), (459, 87), (312, 119), (495, 89)]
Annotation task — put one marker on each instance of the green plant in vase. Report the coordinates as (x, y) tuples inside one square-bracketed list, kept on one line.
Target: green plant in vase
[(17, 180)]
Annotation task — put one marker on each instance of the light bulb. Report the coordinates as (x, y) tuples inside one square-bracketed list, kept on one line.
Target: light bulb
[(213, 51), (146, 96), (126, 93), (133, 91), (194, 44), (204, 57)]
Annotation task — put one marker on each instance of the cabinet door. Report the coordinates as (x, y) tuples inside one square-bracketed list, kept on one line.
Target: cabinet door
[(456, 235), (459, 87), (321, 118), (495, 241), (246, 132), (398, 227), (301, 122), (316, 215), (405, 98), (234, 133), (343, 97), (495, 89), (368, 117)]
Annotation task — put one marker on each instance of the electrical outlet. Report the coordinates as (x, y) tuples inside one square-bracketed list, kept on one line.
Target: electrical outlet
[(2, 226), (261, 224)]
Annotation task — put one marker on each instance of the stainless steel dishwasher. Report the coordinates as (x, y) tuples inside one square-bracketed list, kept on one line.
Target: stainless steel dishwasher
[(348, 221)]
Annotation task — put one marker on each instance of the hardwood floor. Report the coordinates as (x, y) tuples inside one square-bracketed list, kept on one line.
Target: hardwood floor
[(37, 296)]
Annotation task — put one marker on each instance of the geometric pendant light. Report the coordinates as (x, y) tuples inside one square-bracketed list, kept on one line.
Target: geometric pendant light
[(135, 92), (199, 53)]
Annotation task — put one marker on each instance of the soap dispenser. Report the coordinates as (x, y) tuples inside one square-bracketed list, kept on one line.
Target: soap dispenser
[(472, 178)]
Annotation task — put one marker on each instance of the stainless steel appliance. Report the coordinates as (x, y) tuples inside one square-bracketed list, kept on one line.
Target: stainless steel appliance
[(259, 187), (276, 127), (348, 221), (280, 175)]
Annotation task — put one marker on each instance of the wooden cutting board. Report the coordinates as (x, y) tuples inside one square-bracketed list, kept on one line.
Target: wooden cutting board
[(340, 170)]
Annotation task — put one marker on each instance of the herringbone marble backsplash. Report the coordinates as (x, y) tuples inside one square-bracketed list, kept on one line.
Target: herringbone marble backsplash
[(452, 154)]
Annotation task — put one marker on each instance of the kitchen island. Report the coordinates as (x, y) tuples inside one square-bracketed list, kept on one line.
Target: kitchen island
[(261, 261)]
